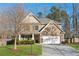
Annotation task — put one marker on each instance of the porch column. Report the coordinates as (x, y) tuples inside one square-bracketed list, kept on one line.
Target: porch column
[(69, 41), (19, 37), (33, 36), (73, 40), (40, 39)]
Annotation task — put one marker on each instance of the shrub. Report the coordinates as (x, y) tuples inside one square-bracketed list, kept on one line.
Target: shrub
[(65, 42), (21, 42), (26, 42), (10, 42)]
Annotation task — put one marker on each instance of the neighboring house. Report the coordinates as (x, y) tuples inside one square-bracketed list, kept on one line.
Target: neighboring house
[(42, 30)]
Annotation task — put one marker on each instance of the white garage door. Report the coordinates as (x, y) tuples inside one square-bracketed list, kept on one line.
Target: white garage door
[(51, 39)]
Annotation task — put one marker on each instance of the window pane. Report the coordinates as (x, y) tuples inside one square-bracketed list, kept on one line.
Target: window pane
[(36, 27)]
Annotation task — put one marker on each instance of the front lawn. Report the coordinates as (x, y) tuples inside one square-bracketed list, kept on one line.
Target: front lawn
[(76, 46), (23, 50)]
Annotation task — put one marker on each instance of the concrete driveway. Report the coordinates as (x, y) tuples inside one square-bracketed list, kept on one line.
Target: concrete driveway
[(59, 50)]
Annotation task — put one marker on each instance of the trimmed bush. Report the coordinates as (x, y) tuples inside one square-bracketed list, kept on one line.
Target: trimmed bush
[(26, 42), (65, 42), (21, 42)]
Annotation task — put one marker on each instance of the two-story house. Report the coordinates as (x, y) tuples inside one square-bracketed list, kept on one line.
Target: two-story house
[(42, 30)]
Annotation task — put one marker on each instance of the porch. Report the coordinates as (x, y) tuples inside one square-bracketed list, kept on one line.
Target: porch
[(35, 37)]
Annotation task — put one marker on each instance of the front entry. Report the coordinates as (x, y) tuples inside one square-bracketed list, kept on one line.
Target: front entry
[(37, 38)]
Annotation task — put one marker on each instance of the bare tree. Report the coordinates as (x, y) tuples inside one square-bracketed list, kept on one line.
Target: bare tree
[(15, 15), (75, 17)]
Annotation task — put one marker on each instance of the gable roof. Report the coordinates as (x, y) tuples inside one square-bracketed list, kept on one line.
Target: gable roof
[(53, 22), (30, 14), (42, 20), (44, 27)]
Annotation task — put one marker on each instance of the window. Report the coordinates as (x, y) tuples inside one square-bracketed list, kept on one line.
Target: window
[(44, 33), (26, 27), (36, 27)]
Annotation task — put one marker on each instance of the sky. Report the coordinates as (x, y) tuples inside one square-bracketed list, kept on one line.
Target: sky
[(37, 7)]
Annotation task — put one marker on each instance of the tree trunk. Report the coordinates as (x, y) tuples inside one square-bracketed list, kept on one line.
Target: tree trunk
[(15, 47)]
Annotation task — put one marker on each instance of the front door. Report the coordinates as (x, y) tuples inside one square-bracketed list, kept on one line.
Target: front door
[(37, 38)]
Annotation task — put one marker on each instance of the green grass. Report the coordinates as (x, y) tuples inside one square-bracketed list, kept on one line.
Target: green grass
[(23, 50), (76, 46)]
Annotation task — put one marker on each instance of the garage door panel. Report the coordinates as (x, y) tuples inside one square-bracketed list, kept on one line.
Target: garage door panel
[(51, 39)]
